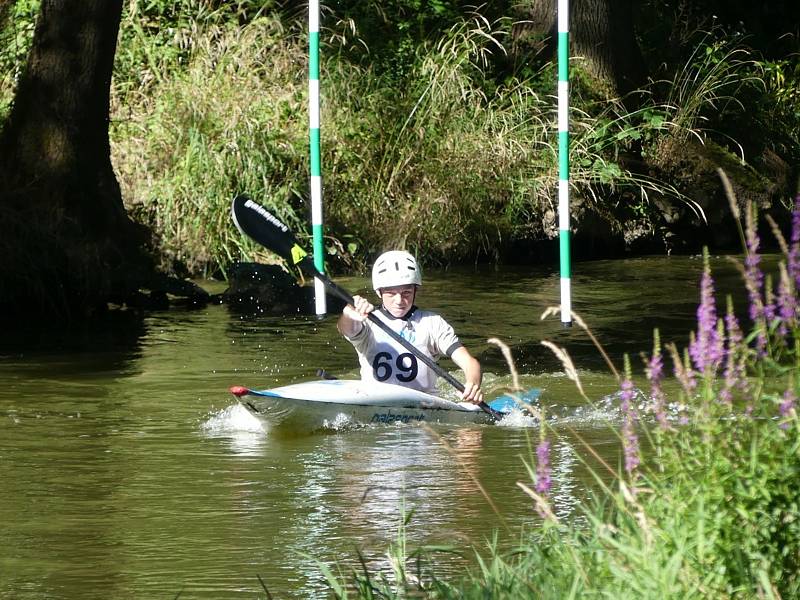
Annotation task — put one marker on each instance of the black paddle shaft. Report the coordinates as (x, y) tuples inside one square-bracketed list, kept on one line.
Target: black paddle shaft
[(258, 223)]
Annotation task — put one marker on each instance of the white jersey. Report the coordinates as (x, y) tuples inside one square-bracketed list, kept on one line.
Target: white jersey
[(384, 359)]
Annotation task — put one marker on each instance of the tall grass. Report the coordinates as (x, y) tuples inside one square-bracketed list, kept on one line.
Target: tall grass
[(430, 162), (707, 84), (209, 100), (428, 159), (713, 509), (227, 119)]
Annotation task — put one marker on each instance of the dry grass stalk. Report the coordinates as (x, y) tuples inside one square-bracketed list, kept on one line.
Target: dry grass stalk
[(778, 235), (555, 310), (734, 204), (569, 367), (509, 361), (515, 385), (542, 505)]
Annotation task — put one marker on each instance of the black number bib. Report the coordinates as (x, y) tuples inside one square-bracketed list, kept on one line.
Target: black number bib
[(405, 365)]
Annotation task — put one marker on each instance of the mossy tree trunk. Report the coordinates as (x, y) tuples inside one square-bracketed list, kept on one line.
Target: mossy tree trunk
[(66, 242), (601, 36)]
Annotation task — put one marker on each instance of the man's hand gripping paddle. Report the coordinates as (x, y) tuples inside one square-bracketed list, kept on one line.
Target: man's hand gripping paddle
[(258, 223)]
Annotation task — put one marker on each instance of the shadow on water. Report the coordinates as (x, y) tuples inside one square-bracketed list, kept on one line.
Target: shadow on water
[(108, 342)]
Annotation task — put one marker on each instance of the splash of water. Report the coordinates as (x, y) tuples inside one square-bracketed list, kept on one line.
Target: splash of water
[(231, 420), (341, 422), (518, 418)]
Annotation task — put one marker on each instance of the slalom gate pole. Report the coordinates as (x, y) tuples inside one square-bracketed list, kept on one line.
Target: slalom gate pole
[(314, 139), (563, 162)]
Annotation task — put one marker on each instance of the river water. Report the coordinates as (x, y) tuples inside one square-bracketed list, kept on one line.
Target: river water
[(127, 469)]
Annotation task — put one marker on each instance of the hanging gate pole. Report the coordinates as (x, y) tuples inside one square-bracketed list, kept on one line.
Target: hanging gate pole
[(314, 139), (563, 162)]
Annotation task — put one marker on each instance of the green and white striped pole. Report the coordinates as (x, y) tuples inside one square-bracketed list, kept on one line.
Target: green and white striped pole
[(314, 138), (563, 161)]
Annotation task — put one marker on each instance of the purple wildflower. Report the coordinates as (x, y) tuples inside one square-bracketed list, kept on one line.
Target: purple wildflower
[(793, 259), (754, 280), (683, 373), (630, 441), (734, 375), (787, 302), (654, 368), (706, 348), (786, 407), (543, 467), (770, 310)]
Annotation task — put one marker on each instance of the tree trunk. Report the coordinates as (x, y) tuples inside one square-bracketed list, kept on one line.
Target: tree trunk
[(67, 242), (601, 38)]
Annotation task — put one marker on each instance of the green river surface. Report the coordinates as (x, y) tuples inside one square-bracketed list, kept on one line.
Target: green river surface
[(127, 470)]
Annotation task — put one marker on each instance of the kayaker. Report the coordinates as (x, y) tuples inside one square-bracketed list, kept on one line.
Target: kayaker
[(396, 278)]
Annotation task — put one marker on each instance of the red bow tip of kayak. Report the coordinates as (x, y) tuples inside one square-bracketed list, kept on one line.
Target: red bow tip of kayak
[(238, 390)]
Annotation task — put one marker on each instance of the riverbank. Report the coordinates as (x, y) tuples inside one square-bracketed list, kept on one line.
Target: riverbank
[(430, 160), (440, 140), (138, 412)]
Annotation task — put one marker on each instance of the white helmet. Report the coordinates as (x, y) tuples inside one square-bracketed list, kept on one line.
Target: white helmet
[(395, 267)]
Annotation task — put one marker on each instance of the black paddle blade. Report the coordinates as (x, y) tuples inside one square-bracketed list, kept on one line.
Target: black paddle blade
[(258, 223)]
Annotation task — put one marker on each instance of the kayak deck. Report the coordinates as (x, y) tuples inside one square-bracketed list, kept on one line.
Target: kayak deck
[(338, 402)]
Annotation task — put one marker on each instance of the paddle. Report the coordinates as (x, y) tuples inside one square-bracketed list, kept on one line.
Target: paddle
[(256, 222)]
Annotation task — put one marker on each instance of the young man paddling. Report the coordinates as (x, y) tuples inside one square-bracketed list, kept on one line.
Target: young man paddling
[(395, 278)]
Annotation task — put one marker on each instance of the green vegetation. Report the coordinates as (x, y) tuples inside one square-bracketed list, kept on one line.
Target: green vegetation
[(16, 31), (434, 137), (223, 113), (712, 510)]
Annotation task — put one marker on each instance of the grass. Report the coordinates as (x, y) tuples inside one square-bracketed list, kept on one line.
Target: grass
[(186, 141)]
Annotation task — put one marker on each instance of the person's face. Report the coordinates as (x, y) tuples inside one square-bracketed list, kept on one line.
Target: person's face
[(398, 299)]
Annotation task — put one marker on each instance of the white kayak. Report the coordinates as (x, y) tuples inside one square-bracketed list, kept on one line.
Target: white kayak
[(333, 403)]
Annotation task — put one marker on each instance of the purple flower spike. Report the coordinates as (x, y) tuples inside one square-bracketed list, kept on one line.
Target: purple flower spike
[(543, 481), (630, 441), (754, 278), (706, 348), (655, 373), (754, 281), (684, 374), (793, 260), (735, 375), (787, 303)]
